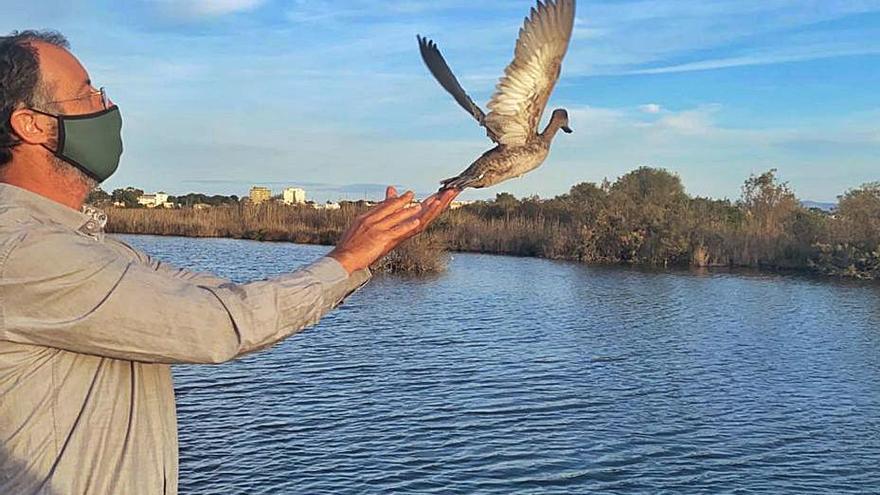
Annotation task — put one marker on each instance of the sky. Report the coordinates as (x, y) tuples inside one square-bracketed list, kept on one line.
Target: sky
[(332, 96)]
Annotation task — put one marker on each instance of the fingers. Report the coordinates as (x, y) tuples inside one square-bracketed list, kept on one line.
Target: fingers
[(434, 208), (385, 226), (451, 193), (392, 212), (389, 206), (448, 196), (445, 197), (445, 200), (406, 222), (431, 197), (397, 217), (428, 217), (406, 229)]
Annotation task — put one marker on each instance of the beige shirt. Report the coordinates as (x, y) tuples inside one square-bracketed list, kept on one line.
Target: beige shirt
[(88, 329)]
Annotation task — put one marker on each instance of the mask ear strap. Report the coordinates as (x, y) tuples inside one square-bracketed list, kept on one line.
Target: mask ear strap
[(59, 126), (32, 109), (50, 150)]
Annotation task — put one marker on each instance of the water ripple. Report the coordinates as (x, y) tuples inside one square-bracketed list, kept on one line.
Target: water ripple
[(510, 375)]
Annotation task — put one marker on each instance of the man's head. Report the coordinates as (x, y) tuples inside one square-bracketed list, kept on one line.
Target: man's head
[(42, 83)]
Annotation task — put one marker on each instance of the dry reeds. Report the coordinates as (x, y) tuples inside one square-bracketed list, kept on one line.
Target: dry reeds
[(643, 218), (274, 222)]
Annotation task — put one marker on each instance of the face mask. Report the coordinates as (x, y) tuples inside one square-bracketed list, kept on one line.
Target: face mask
[(90, 142)]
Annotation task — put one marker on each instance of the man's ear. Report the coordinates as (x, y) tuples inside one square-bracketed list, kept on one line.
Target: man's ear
[(32, 127)]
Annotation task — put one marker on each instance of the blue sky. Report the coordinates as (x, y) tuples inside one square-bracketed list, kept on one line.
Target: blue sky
[(332, 95)]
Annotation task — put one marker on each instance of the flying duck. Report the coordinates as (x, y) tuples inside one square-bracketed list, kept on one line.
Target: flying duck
[(520, 97)]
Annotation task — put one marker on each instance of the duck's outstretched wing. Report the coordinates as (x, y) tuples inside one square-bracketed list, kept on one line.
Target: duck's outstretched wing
[(521, 95), (441, 71)]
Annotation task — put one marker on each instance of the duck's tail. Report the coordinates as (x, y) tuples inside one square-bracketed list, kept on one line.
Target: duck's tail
[(458, 182)]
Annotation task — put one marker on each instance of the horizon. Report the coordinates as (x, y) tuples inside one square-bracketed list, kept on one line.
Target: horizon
[(352, 196), (335, 95), (376, 192)]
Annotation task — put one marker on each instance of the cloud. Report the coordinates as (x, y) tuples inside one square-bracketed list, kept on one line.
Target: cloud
[(695, 122), (38, 14), (206, 8), (712, 159), (818, 52), (361, 11), (319, 191), (335, 92), (651, 108), (659, 36)]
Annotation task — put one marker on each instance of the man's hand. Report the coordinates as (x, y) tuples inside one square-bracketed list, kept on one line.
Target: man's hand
[(379, 230)]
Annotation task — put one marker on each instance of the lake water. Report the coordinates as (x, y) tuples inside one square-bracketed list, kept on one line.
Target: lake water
[(514, 375)]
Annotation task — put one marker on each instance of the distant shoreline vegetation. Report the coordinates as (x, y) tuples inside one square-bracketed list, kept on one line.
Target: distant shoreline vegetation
[(643, 218)]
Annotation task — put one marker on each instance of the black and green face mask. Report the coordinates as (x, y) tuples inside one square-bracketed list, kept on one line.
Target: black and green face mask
[(90, 142)]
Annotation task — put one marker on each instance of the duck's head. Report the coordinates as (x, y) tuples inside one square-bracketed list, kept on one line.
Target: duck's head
[(560, 116)]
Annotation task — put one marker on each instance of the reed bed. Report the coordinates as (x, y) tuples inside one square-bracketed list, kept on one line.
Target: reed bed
[(643, 218), (275, 222)]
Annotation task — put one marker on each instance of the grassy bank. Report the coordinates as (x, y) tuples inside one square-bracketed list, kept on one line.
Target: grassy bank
[(275, 222), (645, 217)]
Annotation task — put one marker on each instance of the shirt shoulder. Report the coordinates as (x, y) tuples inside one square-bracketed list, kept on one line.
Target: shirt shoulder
[(22, 228), (50, 270), (30, 245), (16, 224), (14, 218)]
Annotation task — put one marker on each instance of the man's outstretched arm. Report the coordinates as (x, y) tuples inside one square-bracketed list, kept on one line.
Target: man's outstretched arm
[(63, 290)]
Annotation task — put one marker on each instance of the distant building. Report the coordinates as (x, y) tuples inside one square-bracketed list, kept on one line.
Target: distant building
[(294, 196), (326, 206), (458, 204), (260, 194), (155, 200), (201, 206)]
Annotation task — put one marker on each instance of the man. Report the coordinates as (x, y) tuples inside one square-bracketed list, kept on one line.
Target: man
[(88, 325)]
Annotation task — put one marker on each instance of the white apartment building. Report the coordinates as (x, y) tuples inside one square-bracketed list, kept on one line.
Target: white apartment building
[(154, 200), (294, 196)]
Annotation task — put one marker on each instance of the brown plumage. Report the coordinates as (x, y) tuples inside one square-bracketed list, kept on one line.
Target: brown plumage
[(520, 97)]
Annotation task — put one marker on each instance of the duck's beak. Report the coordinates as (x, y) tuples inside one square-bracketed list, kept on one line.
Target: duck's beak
[(566, 129)]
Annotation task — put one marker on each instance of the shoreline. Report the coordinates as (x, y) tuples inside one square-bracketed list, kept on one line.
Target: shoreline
[(645, 218), (641, 267)]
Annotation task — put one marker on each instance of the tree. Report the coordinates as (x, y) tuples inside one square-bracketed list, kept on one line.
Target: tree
[(650, 184), (504, 205), (190, 199), (585, 200), (770, 208), (128, 196), (97, 196), (506, 200), (586, 193), (859, 214), (854, 248), (645, 217), (767, 202)]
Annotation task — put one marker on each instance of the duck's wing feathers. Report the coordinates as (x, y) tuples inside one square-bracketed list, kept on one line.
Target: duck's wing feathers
[(441, 71), (520, 97)]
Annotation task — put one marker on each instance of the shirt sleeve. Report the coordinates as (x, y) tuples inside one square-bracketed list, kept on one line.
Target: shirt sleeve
[(63, 290), (199, 278)]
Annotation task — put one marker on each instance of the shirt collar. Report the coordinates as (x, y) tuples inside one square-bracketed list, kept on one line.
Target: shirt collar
[(45, 208)]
